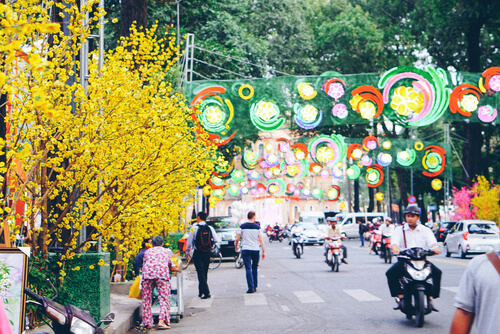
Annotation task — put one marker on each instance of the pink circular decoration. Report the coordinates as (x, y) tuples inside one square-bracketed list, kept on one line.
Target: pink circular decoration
[(366, 160), (495, 83), (340, 110), (284, 147), (268, 174), (253, 191), (262, 189), (336, 90), (324, 173), (487, 114), (299, 186), (253, 183), (290, 160), (263, 164), (371, 144), (296, 192)]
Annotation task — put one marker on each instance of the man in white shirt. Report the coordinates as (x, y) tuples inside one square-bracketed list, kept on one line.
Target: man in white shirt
[(386, 230), (409, 235)]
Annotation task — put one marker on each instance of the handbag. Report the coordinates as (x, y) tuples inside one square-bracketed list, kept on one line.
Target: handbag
[(135, 289)]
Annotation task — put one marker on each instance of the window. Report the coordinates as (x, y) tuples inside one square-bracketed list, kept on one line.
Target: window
[(310, 208), (229, 210), (261, 150), (348, 221), (295, 212)]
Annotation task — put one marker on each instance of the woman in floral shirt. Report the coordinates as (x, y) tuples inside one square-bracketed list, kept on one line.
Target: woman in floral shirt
[(156, 272)]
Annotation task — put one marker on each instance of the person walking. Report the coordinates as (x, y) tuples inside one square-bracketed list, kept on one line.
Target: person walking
[(362, 229), (478, 297), (156, 272), (139, 258), (250, 236), (201, 238)]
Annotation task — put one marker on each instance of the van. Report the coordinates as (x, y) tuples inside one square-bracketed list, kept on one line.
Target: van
[(350, 222), (312, 217)]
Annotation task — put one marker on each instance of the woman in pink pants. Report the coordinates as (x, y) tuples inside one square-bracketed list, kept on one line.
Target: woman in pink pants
[(156, 272)]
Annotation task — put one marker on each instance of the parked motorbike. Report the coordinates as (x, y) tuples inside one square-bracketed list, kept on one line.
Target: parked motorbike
[(67, 318), (386, 248), (376, 242), (334, 253), (297, 244), (276, 236), (417, 287)]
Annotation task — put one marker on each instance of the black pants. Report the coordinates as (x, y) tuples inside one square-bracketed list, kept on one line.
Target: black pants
[(201, 262), (251, 260), (397, 271)]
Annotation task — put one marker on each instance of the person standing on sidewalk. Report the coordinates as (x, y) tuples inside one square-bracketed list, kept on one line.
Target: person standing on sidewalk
[(250, 236), (202, 238), (363, 228), (156, 272)]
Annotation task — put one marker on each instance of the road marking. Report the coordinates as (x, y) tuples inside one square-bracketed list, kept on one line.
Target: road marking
[(200, 303), (308, 297), (268, 285), (285, 308), (450, 261), (255, 299), (453, 289), (362, 295)]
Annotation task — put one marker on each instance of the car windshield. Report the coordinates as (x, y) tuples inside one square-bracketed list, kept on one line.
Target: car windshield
[(312, 220), (483, 228), (222, 222)]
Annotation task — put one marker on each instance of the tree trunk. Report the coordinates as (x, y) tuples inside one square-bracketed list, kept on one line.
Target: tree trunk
[(402, 186), (133, 11), (356, 196), (371, 195)]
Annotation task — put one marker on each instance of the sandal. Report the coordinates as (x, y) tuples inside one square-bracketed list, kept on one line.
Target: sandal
[(163, 327)]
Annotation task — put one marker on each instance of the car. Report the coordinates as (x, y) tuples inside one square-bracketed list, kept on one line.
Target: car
[(312, 234), (226, 231), (349, 222), (472, 236), (443, 229)]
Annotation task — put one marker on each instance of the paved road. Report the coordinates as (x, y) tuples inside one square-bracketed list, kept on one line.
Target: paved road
[(304, 296)]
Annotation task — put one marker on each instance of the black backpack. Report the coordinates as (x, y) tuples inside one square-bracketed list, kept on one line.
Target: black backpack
[(203, 241)]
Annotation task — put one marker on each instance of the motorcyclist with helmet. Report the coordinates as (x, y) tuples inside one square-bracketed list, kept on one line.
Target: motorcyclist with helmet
[(335, 231), (412, 234)]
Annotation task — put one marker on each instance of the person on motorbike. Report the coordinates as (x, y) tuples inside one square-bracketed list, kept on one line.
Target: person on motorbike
[(334, 231), (412, 234), (386, 229), (373, 228), (296, 228)]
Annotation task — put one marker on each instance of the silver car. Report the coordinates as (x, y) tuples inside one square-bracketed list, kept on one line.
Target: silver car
[(472, 237), (312, 234)]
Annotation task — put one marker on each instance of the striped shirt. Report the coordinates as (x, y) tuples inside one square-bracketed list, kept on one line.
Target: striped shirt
[(249, 236)]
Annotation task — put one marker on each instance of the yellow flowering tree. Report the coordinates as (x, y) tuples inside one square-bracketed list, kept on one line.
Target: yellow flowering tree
[(119, 160), (485, 200)]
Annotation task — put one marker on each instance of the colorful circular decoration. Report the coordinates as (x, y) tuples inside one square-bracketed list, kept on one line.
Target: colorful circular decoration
[(250, 160), (272, 160), (306, 192), (419, 146), (335, 88), (434, 160), (315, 168), (219, 192), (214, 114), (379, 196), (333, 193), (237, 176), (265, 116), (216, 182), (244, 190), (464, 99), (354, 151), (384, 159), (387, 144), (207, 190), (338, 173), (250, 92), (353, 172), (340, 111), (427, 85), (436, 184), (491, 80), (276, 187), (300, 151), (308, 116), (374, 176), (367, 100), (328, 150), (407, 157), (366, 160), (306, 91), (487, 114), (370, 143), (317, 193), (283, 145), (234, 190)]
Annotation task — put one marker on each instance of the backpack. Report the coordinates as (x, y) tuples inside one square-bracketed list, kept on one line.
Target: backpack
[(203, 241)]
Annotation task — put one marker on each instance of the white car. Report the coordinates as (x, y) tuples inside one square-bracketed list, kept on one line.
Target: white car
[(472, 236), (312, 234)]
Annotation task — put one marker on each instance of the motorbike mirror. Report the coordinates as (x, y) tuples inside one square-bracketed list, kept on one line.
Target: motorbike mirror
[(110, 317), (53, 289)]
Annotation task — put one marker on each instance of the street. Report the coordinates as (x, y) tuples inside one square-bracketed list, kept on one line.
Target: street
[(305, 296)]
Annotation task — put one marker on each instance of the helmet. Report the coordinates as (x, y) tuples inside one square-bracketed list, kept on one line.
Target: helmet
[(388, 219), (412, 209), (331, 219)]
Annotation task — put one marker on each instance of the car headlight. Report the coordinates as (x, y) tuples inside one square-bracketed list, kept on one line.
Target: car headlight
[(79, 326)]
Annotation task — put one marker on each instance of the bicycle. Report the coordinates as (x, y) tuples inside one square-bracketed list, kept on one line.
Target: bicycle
[(215, 259)]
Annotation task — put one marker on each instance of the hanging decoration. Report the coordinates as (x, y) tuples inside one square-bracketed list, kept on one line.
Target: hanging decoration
[(333, 193), (436, 184), (384, 159), (276, 187), (283, 145), (491, 80), (300, 151), (327, 150), (353, 172), (306, 91), (265, 116), (317, 193), (487, 113), (237, 176), (334, 88), (434, 160), (464, 99), (367, 101), (407, 157), (355, 151), (370, 143), (379, 196), (374, 176), (307, 117), (250, 160)]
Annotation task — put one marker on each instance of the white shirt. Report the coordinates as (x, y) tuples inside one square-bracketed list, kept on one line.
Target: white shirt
[(384, 229), (421, 236)]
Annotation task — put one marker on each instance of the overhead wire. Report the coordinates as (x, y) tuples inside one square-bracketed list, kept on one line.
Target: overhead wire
[(220, 68)]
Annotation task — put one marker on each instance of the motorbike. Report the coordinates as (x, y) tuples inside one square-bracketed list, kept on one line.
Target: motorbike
[(276, 236), (386, 253), (238, 261), (376, 242), (417, 283), (297, 244), (67, 318), (334, 253)]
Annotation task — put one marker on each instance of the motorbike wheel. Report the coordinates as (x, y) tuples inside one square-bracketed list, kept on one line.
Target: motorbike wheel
[(298, 251), (270, 240), (447, 251), (280, 239), (335, 264), (239, 262), (419, 307)]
